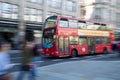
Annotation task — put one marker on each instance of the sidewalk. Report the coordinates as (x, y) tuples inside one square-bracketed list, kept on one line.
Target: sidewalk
[(80, 70)]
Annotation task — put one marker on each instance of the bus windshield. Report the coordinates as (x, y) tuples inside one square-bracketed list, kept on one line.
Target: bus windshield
[(51, 22), (48, 41)]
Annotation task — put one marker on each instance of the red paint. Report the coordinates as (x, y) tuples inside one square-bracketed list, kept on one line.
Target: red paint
[(54, 51)]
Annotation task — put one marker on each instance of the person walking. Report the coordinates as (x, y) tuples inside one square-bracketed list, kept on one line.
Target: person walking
[(27, 65), (5, 64), (36, 55)]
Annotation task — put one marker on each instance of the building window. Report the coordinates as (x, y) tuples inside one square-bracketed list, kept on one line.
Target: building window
[(98, 12), (0, 9), (117, 3), (55, 3), (106, 1), (39, 16), (27, 14), (98, 1), (33, 0), (71, 6), (8, 10), (103, 1), (14, 12), (68, 15), (32, 14), (37, 1), (118, 16)]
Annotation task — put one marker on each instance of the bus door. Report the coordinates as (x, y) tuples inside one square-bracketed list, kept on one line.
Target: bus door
[(98, 45), (66, 45), (91, 45), (63, 46)]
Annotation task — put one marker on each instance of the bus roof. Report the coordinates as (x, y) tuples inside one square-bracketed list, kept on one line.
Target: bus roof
[(91, 21)]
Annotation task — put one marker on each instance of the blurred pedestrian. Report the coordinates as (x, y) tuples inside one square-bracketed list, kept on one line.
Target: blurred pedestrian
[(37, 47), (27, 65), (36, 55), (5, 65), (114, 46), (21, 42)]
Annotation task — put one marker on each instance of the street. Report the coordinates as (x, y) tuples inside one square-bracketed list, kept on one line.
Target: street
[(101, 57), (92, 67), (45, 61)]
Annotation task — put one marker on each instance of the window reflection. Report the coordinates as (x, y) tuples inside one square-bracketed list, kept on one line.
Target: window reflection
[(61, 45), (98, 40), (14, 12), (73, 23), (63, 22), (51, 22), (33, 14), (81, 25), (27, 14), (8, 10), (37, 1), (73, 40), (82, 40), (71, 6), (55, 3), (0, 8), (104, 27), (105, 40)]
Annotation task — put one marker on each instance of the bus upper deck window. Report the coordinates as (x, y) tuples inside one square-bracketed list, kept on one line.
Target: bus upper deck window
[(63, 22), (51, 22), (81, 24), (73, 24)]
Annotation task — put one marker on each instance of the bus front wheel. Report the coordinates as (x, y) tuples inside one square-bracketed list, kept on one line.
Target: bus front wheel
[(73, 53)]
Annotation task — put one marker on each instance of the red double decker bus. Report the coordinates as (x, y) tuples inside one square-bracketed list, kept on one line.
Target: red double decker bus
[(64, 36)]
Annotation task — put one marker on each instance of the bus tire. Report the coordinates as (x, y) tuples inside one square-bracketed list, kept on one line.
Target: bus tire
[(74, 53), (105, 51)]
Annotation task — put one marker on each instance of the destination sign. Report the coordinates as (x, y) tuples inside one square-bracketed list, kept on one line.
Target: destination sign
[(49, 31)]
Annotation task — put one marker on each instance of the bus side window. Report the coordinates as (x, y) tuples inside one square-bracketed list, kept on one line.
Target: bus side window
[(105, 27), (82, 40), (98, 40), (63, 22), (73, 40), (105, 40), (82, 24), (73, 23)]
